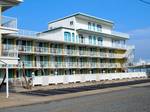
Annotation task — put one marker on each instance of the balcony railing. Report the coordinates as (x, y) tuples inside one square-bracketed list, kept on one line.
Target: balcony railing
[(42, 49), (57, 51), (27, 33), (42, 64), (24, 48), (9, 51), (71, 52), (8, 22), (28, 63), (109, 65), (46, 64)]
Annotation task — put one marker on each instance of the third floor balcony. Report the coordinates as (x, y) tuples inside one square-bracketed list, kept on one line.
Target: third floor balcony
[(8, 22)]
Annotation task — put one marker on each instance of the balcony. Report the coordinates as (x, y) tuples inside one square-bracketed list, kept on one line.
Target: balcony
[(25, 49), (59, 64), (71, 65), (42, 64), (42, 49), (110, 65), (71, 52), (8, 22), (57, 51), (9, 51), (28, 63), (83, 53), (26, 33)]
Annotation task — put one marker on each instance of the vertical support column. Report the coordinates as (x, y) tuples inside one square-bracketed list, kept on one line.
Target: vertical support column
[(15, 47), (33, 56), (7, 81), (49, 58)]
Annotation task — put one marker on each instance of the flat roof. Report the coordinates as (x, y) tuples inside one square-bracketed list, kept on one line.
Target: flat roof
[(79, 14), (55, 29)]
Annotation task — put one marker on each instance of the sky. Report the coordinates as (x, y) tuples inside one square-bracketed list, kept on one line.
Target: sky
[(129, 16)]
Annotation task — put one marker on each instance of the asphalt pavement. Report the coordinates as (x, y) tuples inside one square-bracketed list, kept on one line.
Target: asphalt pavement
[(134, 99)]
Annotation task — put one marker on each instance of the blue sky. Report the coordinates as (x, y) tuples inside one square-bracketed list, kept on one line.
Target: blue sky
[(130, 16)]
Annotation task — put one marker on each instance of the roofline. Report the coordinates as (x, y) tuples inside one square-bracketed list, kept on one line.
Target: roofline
[(83, 14), (16, 2), (56, 29), (12, 3)]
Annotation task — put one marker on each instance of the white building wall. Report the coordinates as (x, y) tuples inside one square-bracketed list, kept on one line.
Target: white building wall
[(106, 29), (83, 24), (55, 35), (63, 23), (107, 41)]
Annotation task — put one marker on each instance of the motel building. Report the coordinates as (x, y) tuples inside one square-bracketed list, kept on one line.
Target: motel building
[(76, 48)]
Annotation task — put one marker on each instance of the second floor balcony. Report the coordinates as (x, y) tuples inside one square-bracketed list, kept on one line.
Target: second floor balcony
[(26, 49), (9, 51)]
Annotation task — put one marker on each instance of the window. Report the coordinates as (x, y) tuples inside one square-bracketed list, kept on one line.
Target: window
[(73, 39), (89, 25), (77, 38), (94, 40), (124, 42), (94, 26), (90, 39), (100, 40), (81, 38), (24, 43), (71, 23), (114, 42), (67, 36), (99, 27)]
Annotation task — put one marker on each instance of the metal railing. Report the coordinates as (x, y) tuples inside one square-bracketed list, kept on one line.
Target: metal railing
[(28, 63), (8, 22), (9, 51), (25, 48), (42, 49), (58, 51), (42, 64), (27, 33), (46, 64)]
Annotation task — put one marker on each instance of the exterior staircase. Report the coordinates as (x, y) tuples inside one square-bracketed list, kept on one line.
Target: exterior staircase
[(129, 56)]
